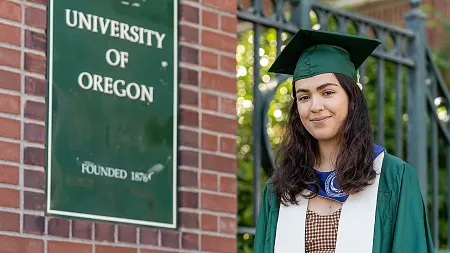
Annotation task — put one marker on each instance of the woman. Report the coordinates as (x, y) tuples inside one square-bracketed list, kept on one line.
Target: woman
[(333, 189)]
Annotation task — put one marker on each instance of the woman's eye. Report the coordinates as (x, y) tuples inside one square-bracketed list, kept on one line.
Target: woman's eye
[(302, 98), (328, 93)]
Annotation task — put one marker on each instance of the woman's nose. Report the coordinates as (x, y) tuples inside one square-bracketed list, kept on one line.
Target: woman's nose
[(317, 106)]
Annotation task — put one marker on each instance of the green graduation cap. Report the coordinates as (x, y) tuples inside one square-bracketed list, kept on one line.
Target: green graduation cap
[(313, 52)]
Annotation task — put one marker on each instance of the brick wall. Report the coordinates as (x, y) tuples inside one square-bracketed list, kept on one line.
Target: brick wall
[(208, 127)]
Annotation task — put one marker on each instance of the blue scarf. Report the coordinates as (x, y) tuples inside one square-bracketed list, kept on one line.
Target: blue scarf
[(328, 185)]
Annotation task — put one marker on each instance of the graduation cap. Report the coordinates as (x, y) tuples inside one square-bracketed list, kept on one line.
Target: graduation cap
[(314, 52)]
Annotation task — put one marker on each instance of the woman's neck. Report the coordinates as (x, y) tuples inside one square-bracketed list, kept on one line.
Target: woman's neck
[(328, 151)]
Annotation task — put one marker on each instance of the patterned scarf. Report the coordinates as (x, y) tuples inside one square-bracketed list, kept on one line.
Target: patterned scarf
[(328, 185)]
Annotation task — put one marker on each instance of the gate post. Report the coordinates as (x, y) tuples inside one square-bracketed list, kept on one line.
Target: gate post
[(300, 13), (416, 95)]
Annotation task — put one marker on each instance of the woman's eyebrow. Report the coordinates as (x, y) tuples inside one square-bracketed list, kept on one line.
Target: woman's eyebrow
[(321, 87)]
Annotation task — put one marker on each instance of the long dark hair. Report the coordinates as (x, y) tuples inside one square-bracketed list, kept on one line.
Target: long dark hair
[(298, 151)]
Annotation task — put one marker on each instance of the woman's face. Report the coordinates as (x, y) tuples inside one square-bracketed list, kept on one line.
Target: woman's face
[(322, 105)]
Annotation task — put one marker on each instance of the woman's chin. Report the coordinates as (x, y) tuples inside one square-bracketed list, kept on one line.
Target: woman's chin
[(324, 136)]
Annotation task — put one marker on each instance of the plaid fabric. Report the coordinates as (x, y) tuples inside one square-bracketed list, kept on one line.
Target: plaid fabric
[(321, 232)]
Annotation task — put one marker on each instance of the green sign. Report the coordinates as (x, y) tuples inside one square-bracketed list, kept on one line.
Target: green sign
[(112, 111)]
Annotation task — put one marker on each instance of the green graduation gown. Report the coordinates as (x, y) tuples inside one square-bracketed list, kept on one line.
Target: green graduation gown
[(400, 223)]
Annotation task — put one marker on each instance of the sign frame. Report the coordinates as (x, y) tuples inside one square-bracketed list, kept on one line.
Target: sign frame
[(48, 144)]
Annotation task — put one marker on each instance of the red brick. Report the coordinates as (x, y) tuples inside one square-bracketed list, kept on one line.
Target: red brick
[(189, 13), (36, 17), (228, 106), (10, 34), (188, 34), (34, 40), (10, 10), (218, 244), (209, 222), (9, 80), (9, 104), (218, 203), (9, 57), (9, 174), (219, 41), (228, 185), (156, 251), (33, 224), (127, 234), (35, 86), (228, 64), (34, 133), (68, 247), (189, 241), (189, 220), (228, 6), (188, 138), (188, 118), (104, 232), (228, 225), (188, 199), (9, 221), (209, 181), (10, 151), (34, 201), (189, 158), (12, 244), (189, 76), (210, 19), (34, 179), (82, 229), (209, 60), (35, 63), (219, 163), (170, 239), (188, 54), (148, 236), (210, 102), (228, 145), (34, 156), (229, 24), (35, 110), (10, 128), (9, 198), (219, 82), (188, 178), (209, 142), (219, 124), (44, 2), (111, 249), (188, 97)]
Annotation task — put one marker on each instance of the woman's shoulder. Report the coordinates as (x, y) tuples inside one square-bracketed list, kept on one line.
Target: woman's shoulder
[(270, 194), (396, 165), (394, 170)]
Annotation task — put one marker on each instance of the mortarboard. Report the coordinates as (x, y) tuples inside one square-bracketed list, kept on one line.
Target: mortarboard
[(313, 52)]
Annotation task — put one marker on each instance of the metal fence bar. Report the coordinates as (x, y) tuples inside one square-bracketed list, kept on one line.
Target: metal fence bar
[(399, 111), (448, 180), (267, 21), (380, 102), (417, 144), (362, 69), (364, 19), (256, 123), (435, 170)]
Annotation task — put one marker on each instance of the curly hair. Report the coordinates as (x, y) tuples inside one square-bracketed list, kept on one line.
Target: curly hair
[(299, 151)]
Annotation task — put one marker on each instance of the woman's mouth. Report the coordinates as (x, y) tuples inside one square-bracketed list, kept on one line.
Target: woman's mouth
[(320, 120)]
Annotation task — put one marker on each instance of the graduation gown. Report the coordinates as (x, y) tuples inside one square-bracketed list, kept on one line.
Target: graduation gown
[(388, 216)]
